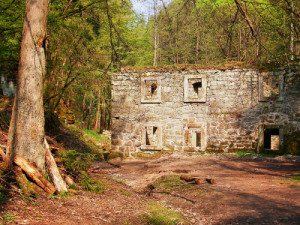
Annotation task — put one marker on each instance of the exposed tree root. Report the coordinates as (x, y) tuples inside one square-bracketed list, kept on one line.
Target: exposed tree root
[(23, 183), (40, 184), (53, 170), (34, 174)]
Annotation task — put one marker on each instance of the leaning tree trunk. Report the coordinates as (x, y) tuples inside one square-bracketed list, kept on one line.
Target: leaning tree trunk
[(26, 132)]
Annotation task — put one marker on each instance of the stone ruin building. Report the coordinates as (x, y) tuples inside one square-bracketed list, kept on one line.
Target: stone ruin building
[(206, 110)]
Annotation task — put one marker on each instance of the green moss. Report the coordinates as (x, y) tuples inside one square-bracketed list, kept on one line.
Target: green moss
[(90, 184), (292, 143), (76, 162), (114, 155), (145, 154)]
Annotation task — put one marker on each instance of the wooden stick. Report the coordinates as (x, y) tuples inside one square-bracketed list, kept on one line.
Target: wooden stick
[(3, 155), (35, 175), (53, 170), (68, 179)]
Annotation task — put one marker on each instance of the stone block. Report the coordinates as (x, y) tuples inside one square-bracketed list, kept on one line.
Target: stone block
[(128, 143), (116, 142)]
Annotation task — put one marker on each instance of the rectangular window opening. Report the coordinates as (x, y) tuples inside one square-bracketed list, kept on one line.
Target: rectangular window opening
[(198, 139), (153, 89), (197, 86), (154, 130), (147, 138)]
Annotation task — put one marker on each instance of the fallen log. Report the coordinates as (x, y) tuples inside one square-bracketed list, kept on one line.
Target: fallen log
[(198, 181), (73, 191), (187, 178), (93, 169), (34, 174), (210, 180), (53, 170), (100, 171), (191, 180)]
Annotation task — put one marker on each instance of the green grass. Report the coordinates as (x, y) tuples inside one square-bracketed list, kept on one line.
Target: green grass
[(250, 153), (124, 192), (119, 181), (9, 218), (90, 138), (168, 183), (91, 184), (245, 153), (297, 178), (203, 191), (92, 135), (160, 215)]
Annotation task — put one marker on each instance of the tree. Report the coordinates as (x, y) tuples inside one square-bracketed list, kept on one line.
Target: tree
[(26, 132), (11, 14)]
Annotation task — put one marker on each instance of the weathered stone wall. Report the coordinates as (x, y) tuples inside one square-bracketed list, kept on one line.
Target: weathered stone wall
[(201, 110)]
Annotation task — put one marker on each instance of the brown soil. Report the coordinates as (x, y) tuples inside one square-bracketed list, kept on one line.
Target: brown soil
[(248, 190)]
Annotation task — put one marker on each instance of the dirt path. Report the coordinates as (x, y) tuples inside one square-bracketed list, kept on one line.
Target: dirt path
[(248, 190)]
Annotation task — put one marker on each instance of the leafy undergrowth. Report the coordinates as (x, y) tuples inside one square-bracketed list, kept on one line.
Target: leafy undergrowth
[(4, 195), (91, 184), (78, 161), (91, 139), (5, 110)]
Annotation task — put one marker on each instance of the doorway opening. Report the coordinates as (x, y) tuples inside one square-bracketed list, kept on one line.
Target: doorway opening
[(271, 139)]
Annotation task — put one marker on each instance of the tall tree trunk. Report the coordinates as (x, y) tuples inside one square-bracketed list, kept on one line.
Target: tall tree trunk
[(197, 31), (155, 34), (292, 47), (240, 45), (90, 112), (229, 47), (83, 105), (26, 132), (197, 43), (103, 122), (97, 123)]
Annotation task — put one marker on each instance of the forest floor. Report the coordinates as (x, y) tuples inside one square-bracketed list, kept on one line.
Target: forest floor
[(248, 190)]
